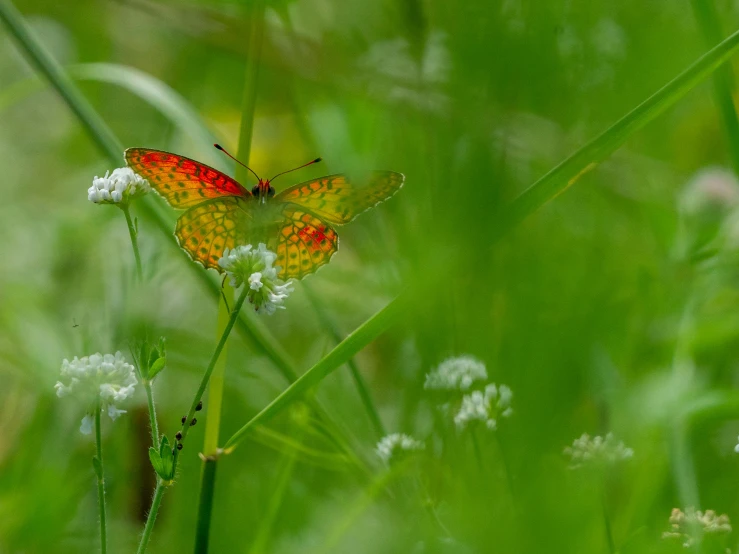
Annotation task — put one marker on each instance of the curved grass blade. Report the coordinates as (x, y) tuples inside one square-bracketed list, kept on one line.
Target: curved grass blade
[(563, 176), (723, 79), (106, 140), (345, 350), (155, 92)]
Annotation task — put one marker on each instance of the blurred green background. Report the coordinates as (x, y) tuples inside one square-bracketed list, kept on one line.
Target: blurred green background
[(614, 308)]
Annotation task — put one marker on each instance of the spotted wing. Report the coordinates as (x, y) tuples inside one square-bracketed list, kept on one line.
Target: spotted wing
[(181, 181), (304, 243), (338, 200), (206, 230)]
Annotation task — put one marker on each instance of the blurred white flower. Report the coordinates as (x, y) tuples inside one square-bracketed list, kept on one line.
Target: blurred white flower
[(246, 264), (684, 525), (711, 189), (393, 447), (609, 39), (118, 187), (597, 451), (485, 406), (100, 381), (457, 373), (398, 73)]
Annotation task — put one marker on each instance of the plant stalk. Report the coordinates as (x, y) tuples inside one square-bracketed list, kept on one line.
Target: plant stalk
[(215, 395), (205, 505), (101, 482), (133, 233), (212, 427), (209, 370), (152, 414), (151, 518)]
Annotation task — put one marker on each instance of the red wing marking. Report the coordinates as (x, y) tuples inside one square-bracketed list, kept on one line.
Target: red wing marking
[(304, 243), (181, 181)]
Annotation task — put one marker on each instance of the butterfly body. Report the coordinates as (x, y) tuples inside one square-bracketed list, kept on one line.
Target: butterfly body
[(221, 213)]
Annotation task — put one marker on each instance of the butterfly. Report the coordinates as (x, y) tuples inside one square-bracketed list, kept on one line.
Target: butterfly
[(297, 224)]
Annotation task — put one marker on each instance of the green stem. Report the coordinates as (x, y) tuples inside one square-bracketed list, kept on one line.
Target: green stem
[(156, 501), (211, 365), (362, 389), (133, 233), (215, 395), (205, 506), (152, 414), (212, 427), (607, 523), (249, 102), (346, 349), (193, 408), (101, 482)]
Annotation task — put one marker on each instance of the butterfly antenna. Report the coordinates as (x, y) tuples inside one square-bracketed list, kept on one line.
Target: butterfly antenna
[(296, 168), (222, 149)]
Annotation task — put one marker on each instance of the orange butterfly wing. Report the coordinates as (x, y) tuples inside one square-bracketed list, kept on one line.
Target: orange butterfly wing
[(181, 181), (206, 230), (338, 200), (304, 243)]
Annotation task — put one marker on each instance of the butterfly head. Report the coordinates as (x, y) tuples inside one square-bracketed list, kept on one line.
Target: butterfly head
[(263, 190)]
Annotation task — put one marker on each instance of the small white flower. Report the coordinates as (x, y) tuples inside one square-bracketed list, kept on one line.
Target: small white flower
[(114, 412), (118, 187), (684, 525), (246, 264), (392, 447), (457, 373), (86, 425), (97, 380), (485, 406), (597, 452)]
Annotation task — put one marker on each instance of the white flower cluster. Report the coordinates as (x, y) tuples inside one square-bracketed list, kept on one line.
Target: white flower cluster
[(485, 406), (118, 187), (597, 451), (97, 380), (683, 525), (254, 266), (394, 446), (456, 373)]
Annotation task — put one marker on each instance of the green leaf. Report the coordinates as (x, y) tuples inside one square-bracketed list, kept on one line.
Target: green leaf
[(156, 461), (153, 356), (164, 446), (157, 366), (97, 466), (162, 461)]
